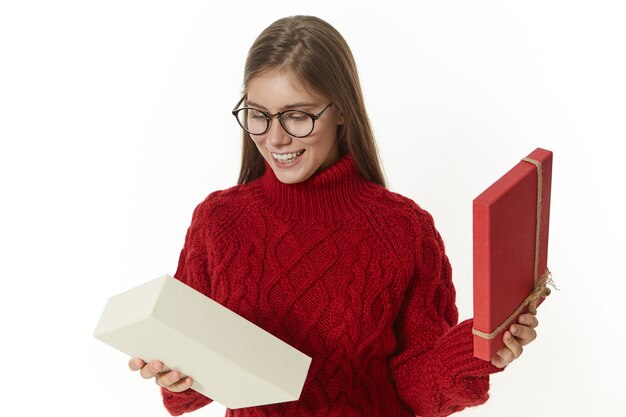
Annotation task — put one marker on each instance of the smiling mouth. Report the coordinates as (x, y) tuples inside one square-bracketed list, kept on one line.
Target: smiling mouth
[(287, 157)]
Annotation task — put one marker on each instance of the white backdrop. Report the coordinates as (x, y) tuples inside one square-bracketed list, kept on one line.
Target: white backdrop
[(115, 123)]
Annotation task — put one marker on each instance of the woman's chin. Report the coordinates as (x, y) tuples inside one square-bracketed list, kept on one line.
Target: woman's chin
[(291, 172)]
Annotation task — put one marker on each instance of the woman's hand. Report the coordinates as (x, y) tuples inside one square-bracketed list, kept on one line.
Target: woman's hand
[(171, 380), (515, 338)]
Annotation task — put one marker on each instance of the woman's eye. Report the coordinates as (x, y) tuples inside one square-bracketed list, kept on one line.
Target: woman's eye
[(257, 115), (297, 117)]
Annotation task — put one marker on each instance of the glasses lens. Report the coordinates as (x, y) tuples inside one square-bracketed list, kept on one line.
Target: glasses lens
[(254, 121), (297, 123)]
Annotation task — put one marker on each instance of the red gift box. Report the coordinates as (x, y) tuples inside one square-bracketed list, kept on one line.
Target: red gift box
[(510, 222)]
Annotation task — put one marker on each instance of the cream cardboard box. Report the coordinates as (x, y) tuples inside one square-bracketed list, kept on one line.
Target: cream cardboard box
[(231, 360)]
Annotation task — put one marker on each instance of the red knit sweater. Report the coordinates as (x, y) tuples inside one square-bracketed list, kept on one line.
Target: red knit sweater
[(351, 274)]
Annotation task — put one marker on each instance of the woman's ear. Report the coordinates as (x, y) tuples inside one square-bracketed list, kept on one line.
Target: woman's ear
[(340, 120)]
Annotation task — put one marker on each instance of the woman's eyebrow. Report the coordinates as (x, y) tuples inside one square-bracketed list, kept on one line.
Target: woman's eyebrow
[(299, 104)]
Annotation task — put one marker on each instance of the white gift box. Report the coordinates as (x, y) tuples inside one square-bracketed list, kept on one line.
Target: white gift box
[(231, 360)]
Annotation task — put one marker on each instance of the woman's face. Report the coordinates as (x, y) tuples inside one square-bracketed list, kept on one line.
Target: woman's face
[(293, 159)]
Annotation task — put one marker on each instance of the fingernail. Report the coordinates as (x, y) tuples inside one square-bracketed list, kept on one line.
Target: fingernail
[(173, 377), (522, 319), (507, 335), (514, 329), (156, 366)]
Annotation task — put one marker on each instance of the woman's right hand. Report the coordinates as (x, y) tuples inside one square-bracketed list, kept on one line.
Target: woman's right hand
[(171, 380)]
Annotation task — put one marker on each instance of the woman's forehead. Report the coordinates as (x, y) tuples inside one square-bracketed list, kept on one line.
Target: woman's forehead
[(280, 89)]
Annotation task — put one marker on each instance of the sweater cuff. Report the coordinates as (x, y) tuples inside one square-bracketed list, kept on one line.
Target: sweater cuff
[(186, 401), (456, 349)]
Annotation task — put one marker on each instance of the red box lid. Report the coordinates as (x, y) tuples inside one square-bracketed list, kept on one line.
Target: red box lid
[(505, 233)]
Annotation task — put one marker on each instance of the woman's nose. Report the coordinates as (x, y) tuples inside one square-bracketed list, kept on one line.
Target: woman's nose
[(276, 135)]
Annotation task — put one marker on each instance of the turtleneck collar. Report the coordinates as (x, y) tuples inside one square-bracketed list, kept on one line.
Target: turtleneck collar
[(330, 195)]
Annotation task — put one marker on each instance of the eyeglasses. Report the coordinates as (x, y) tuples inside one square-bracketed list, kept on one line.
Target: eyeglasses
[(297, 123)]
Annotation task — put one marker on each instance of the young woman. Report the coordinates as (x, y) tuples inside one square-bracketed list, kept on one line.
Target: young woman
[(313, 248)]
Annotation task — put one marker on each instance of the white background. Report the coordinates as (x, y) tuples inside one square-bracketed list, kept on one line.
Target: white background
[(115, 123)]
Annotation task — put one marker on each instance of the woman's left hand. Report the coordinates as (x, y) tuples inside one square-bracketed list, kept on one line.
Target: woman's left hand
[(515, 338)]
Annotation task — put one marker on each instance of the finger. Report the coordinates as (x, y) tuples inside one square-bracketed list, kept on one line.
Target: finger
[(529, 320), (151, 369), (182, 385), (135, 364), (513, 344), (173, 381), (502, 358), (523, 334), (497, 361), (167, 379)]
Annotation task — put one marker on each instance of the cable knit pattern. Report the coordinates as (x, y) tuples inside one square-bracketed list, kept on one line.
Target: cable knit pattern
[(351, 274)]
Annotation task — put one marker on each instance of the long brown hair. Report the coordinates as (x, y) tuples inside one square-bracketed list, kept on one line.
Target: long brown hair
[(319, 56)]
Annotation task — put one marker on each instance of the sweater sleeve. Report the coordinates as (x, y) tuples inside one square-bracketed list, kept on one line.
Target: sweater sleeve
[(192, 271), (434, 369)]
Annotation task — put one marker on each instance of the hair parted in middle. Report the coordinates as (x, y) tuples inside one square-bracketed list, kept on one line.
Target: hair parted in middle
[(319, 57)]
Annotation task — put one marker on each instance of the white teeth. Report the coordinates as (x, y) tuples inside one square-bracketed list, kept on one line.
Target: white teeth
[(286, 157)]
